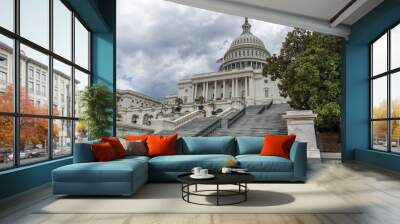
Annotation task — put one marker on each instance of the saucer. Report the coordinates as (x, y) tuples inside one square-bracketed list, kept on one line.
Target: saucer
[(208, 176)]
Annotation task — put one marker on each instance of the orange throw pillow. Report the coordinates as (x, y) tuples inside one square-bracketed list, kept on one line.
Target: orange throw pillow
[(161, 145), (277, 145), (116, 145), (103, 152)]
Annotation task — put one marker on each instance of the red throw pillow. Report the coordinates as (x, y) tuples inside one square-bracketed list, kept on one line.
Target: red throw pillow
[(161, 145), (277, 145), (103, 152), (116, 145)]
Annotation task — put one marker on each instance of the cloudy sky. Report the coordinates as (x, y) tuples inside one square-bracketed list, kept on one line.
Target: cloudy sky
[(161, 42)]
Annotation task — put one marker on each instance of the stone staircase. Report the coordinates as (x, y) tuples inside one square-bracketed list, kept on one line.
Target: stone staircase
[(192, 128), (258, 121)]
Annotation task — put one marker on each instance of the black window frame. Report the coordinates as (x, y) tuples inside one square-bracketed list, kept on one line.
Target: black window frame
[(388, 74), (16, 115)]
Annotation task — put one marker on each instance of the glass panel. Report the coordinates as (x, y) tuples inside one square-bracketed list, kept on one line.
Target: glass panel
[(81, 45), (395, 47), (379, 55), (34, 72), (35, 21), (62, 138), (62, 89), (379, 97), (379, 135), (81, 81), (62, 29), (7, 14), (6, 74), (395, 95), (395, 136), (33, 139), (81, 131), (6, 142)]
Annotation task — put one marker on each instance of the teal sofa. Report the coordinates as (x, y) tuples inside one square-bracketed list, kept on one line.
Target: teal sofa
[(125, 176)]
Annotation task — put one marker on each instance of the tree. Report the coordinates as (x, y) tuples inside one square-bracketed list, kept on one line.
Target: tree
[(178, 104), (97, 103), (33, 131), (379, 128), (309, 73)]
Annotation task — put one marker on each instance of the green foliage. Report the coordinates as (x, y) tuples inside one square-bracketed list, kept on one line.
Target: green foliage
[(97, 104), (200, 100), (309, 70), (178, 101)]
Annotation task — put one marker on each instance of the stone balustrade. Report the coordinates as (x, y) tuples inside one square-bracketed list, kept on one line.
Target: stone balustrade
[(170, 125)]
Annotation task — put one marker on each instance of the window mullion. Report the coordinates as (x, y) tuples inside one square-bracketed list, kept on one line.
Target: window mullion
[(389, 104), (16, 84), (73, 81), (50, 81)]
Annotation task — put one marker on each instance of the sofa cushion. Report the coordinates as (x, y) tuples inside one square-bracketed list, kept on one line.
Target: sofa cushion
[(185, 163), (249, 145), (208, 145), (257, 163), (112, 171)]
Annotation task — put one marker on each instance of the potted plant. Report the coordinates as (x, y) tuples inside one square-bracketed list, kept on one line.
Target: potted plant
[(96, 102), (212, 104), (200, 101)]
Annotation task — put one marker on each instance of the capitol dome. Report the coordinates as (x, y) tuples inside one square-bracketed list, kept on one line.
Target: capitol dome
[(245, 51)]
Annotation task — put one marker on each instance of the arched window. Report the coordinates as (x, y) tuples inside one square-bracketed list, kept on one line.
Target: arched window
[(134, 118)]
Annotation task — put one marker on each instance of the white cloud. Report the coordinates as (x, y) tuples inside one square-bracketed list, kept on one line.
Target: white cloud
[(159, 43)]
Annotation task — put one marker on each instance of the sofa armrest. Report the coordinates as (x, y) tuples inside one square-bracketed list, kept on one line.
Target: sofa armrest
[(83, 152), (298, 155)]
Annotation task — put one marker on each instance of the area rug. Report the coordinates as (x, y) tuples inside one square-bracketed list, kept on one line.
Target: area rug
[(166, 198)]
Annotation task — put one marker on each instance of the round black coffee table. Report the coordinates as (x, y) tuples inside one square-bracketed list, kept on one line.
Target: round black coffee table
[(238, 179)]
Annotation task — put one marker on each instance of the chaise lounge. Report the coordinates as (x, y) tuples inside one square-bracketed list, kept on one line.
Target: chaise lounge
[(125, 176)]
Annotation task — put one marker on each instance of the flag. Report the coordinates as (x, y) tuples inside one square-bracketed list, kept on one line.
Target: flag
[(220, 60)]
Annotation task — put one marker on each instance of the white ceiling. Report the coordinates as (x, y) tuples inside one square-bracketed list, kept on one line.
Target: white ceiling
[(315, 15)]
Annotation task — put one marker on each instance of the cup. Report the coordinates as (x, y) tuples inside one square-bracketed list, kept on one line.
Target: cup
[(226, 170), (203, 172), (196, 171)]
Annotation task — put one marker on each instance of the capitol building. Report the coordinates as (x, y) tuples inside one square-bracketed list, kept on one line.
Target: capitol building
[(239, 76), (237, 84)]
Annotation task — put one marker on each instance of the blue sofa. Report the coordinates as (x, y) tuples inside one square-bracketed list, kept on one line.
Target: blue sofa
[(125, 176)]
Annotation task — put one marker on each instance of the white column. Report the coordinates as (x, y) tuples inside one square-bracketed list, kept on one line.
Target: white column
[(204, 90), (215, 90), (193, 86), (206, 97), (245, 86), (223, 89), (236, 87), (233, 88)]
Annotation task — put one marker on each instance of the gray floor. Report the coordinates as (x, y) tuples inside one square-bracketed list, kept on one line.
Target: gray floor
[(379, 189)]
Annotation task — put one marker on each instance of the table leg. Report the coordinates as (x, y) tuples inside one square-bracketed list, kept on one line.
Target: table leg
[(245, 193), (217, 194), (195, 188)]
